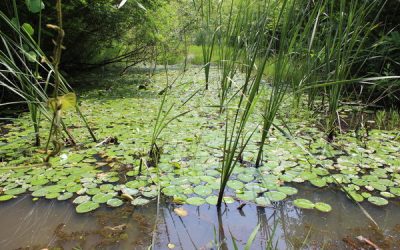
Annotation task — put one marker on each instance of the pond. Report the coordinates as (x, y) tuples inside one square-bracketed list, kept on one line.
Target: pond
[(104, 194), (52, 224)]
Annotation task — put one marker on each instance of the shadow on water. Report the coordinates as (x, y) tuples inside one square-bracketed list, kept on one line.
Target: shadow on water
[(28, 224)]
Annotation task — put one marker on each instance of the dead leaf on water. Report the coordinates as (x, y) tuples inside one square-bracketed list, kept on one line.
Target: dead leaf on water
[(180, 211)]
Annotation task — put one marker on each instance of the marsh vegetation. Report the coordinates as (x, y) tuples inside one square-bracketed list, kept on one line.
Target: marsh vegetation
[(279, 118)]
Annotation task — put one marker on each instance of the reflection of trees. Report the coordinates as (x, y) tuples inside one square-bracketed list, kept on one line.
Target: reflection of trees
[(299, 227), (282, 226)]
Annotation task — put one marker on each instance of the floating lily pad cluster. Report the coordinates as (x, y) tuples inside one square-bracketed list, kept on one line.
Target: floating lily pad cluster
[(86, 186), (93, 175), (306, 204)]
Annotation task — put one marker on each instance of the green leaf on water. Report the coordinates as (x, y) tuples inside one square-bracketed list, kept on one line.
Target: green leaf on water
[(366, 195), (245, 177), (195, 201), (234, 184), (323, 207), (130, 191), (203, 190), (207, 178), (52, 195), (263, 201), (357, 197), (93, 191), (387, 195), (287, 190), (212, 200), (395, 191), (247, 196), (378, 186), (74, 189), (39, 181), (318, 182), (102, 197), (140, 201), (379, 201), (65, 196), (40, 192), (275, 195), (81, 199), (170, 191), (303, 203), (87, 206), (15, 191), (114, 202), (228, 200), (6, 197), (150, 194)]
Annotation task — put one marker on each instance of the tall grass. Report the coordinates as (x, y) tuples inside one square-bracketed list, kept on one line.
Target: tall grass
[(208, 36), (229, 46), (256, 51), (313, 48), (335, 48), (27, 73), (293, 28)]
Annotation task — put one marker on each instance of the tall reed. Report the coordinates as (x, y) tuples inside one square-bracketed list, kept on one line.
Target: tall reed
[(335, 48), (208, 35), (22, 60), (256, 55)]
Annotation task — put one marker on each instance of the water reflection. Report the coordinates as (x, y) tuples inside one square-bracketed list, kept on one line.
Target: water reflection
[(42, 224)]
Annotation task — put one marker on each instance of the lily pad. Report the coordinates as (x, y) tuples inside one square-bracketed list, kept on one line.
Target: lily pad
[(15, 191), (6, 197), (247, 196), (203, 190), (245, 177), (195, 201), (140, 201), (40, 192), (263, 201), (275, 195), (228, 200), (52, 195), (287, 190), (114, 202), (323, 207), (39, 181), (93, 191), (357, 197), (378, 186), (81, 199), (387, 195), (318, 182), (303, 203), (65, 196), (87, 206), (212, 200), (379, 201), (395, 191), (170, 191), (234, 184), (74, 189), (102, 197)]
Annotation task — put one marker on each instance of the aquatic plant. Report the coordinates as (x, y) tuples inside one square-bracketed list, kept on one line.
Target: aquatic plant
[(22, 59), (208, 37), (337, 47)]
